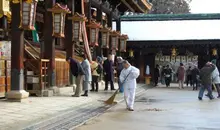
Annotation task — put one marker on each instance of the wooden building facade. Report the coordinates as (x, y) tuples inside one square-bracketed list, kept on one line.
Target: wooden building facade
[(44, 33)]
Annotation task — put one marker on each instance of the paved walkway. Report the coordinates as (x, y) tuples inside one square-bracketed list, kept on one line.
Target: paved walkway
[(161, 109), (33, 112)]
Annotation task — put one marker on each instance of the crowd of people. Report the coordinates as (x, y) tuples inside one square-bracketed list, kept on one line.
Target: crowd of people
[(207, 78), (88, 74)]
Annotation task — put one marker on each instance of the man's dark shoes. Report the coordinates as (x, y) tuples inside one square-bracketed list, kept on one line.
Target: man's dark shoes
[(129, 109), (113, 89), (85, 95), (200, 98), (92, 90)]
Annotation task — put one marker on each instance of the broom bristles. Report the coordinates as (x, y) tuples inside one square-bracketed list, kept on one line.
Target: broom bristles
[(110, 101)]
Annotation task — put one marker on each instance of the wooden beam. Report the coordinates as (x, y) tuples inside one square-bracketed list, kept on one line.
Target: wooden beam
[(129, 7), (146, 4)]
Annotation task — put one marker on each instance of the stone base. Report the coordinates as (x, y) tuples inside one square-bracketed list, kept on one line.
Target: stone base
[(48, 93), (17, 95), (56, 90)]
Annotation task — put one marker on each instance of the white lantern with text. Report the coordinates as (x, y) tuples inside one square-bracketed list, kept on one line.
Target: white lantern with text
[(105, 31), (94, 33), (114, 39), (28, 14), (77, 21), (59, 14), (123, 42)]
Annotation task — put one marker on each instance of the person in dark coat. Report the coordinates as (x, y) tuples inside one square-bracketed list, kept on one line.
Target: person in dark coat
[(195, 78), (162, 75), (109, 72), (79, 73), (189, 76), (156, 75), (206, 80), (168, 75)]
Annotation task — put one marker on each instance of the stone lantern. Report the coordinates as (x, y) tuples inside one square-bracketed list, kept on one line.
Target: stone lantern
[(77, 21), (123, 41), (94, 33), (105, 31), (59, 13), (114, 39), (28, 14)]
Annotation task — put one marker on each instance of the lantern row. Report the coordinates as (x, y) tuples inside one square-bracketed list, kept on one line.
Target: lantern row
[(28, 16)]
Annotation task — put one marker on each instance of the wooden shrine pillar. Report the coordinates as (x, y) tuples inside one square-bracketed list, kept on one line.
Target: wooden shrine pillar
[(99, 19), (118, 28), (17, 92), (49, 43), (69, 44)]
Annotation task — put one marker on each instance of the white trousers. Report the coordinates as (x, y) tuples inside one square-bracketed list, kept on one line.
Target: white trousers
[(129, 97), (181, 82)]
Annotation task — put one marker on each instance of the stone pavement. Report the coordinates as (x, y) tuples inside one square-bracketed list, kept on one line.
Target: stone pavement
[(58, 112), (161, 108)]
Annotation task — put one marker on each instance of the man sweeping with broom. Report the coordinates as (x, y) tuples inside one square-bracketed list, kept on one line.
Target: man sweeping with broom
[(128, 78)]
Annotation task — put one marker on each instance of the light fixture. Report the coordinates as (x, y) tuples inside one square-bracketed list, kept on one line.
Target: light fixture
[(94, 32), (105, 31), (131, 53), (77, 21), (173, 51), (214, 52), (114, 39), (28, 14), (123, 42), (59, 13)]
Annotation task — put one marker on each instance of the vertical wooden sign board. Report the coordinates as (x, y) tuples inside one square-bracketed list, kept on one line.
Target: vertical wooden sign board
[(177, 58), (167, 58), (173, 59), (189, 59), (157, 58), (183, 59), (162, 58), (195, 58)]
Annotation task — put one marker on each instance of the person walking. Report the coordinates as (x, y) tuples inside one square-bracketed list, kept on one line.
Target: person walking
[(128, 78), (195, 78), (162, 75), (189, 76), (181, 75), (156, 74), (79, 73), (109, 72), (88, 76), (119, 69), (96, 71), (206, 80), (216, 78), (167, 75)]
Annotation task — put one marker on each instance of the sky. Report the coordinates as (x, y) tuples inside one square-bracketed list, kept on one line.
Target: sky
[(205, 6), (177, 30)]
